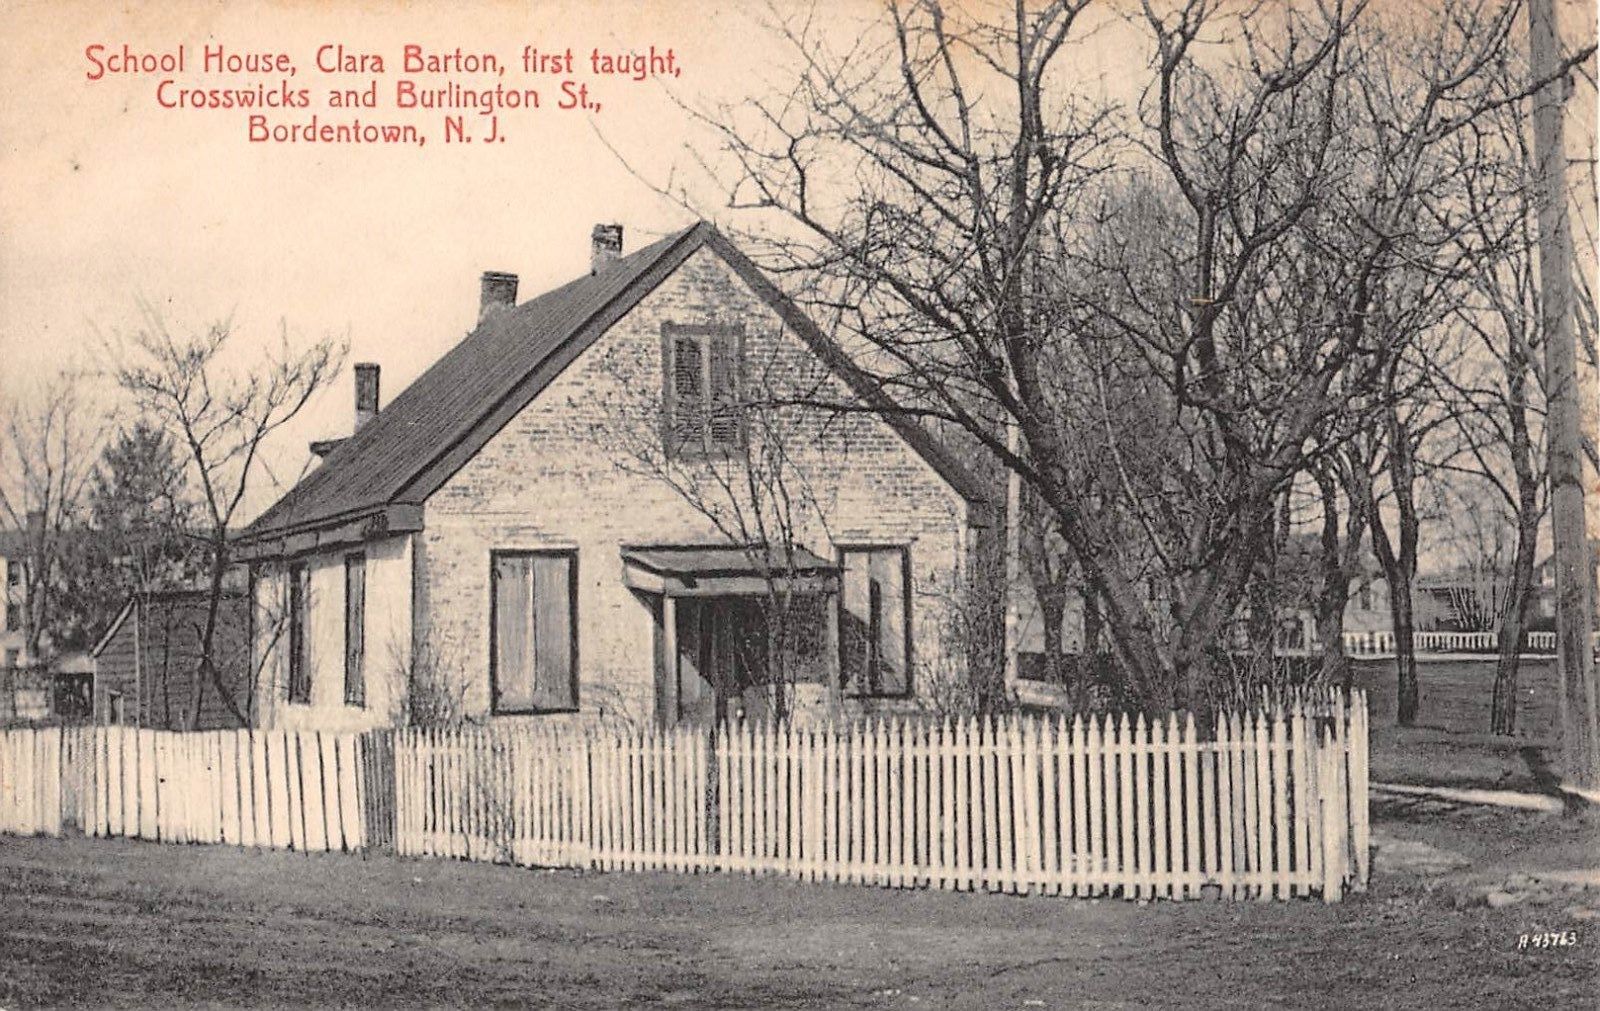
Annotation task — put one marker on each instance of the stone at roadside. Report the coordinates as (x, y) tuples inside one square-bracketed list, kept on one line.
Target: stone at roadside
[(1499, 899)]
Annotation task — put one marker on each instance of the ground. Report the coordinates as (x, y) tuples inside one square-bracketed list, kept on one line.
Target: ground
[(1455, 891), (95, 922), (1451, 746)]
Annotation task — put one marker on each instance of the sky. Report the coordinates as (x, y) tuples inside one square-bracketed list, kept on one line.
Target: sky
[(111, 201)]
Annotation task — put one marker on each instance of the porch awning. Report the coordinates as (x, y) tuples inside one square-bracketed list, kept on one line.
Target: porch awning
[(726, 570)]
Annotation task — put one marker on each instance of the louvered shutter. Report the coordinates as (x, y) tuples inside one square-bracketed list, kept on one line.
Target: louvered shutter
[(686, 427), (724, 422)]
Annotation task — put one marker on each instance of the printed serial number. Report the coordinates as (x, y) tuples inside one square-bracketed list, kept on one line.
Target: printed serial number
[(1548, 939)]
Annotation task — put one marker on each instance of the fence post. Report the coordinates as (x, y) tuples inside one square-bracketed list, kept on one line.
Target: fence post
[(1332, 858), (1361, 837)]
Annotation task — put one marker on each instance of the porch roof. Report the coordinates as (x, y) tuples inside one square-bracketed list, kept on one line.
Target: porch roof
[(726, 569)]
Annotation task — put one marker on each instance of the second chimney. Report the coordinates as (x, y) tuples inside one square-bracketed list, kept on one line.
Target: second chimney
[(497, 292), (366, 392), (606, 247)]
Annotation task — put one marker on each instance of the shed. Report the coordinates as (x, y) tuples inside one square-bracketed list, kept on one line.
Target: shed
[(147, 662)]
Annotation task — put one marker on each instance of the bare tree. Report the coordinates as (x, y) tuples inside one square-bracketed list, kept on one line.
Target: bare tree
[(47, 459), (221, 417), (731, 450), (1182, 308)]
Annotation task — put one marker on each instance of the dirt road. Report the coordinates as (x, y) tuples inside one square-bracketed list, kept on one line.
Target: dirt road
[(92, 922)]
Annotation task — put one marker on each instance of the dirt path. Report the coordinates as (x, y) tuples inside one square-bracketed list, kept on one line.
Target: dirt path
[(91, 922)]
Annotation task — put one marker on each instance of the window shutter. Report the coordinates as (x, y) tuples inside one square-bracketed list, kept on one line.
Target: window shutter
[(355, 629), (724, 421), (299, 644), (687, 424), (855, 619), (873, 611), (513, 610), (888, 579), (552, 632)]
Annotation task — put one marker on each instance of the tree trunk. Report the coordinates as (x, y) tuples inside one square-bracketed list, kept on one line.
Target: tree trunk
[(1052, 612), (1580, 693), (1405, 657), (1398, 575), (1503, 712), (207, 669), (1335, 590)]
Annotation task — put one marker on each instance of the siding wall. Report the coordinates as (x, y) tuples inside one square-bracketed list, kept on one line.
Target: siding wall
[(115, 671), (388, 640), (156, 684)]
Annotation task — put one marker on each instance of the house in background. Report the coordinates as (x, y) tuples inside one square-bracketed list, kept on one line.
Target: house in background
[(146, 661), (548, 521), (14, 590)]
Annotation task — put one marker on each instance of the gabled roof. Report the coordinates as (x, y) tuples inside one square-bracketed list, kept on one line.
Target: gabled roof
[(380, 476)]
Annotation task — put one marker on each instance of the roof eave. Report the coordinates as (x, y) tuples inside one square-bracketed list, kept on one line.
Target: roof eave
[(345, 530)]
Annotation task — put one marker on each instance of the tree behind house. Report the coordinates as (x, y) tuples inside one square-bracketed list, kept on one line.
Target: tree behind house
[(136, 533), (222, 417)]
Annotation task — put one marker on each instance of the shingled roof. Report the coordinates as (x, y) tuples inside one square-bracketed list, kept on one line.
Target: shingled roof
[(378, 478)]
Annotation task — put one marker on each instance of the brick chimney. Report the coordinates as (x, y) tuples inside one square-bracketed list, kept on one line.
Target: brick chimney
[(366, 392), (497, 293), (605, 248)]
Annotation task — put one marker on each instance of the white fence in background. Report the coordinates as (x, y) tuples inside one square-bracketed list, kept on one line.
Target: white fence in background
[(1379, 644), (1272, 804)]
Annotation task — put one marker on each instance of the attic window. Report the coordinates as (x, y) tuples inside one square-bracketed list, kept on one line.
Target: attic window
[(703, 368)]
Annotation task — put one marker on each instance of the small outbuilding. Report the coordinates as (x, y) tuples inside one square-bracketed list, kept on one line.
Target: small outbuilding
[(147, 663)]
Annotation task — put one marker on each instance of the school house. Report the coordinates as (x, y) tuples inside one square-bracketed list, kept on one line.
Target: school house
[(595, 504)]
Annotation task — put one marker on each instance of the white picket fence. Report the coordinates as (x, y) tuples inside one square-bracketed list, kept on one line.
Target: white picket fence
[(1381, 644), (278, 789), (1545, 642), (1273, 804)]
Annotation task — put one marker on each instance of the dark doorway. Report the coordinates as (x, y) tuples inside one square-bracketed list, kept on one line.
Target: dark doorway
[(722, 659)]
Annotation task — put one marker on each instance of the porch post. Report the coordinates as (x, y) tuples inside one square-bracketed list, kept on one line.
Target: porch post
[(835, 666), (667, 667)]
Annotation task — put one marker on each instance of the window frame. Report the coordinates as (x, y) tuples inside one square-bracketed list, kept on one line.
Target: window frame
[(706, 335), (571, 555), (355, 561), (856, 688), (298, 589)]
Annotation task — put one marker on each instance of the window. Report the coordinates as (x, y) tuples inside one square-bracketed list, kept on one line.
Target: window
[(702, 366), (533, 654), (875, 620), (13, 616), (12, 656), (299, 642), (13, 571), (355, 629)]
